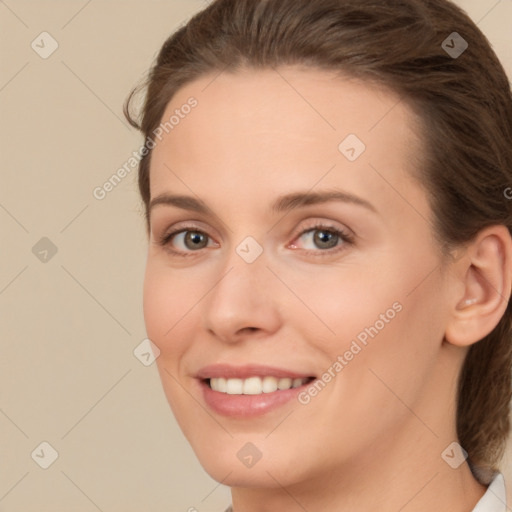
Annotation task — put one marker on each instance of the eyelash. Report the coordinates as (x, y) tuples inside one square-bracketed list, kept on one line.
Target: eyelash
[(345, 237)]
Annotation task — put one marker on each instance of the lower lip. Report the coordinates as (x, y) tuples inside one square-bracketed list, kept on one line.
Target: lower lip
[(247, 406)]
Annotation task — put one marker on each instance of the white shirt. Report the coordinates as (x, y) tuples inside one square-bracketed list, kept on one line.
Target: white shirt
[(494, 499)]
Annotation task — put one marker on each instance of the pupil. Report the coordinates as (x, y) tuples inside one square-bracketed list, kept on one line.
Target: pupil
[(194, 240), (325, 239)]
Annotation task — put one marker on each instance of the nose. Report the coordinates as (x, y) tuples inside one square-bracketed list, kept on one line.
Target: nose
[(243, 302)]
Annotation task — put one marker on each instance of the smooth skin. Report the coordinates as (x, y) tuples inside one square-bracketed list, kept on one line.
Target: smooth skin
[(372, 439)]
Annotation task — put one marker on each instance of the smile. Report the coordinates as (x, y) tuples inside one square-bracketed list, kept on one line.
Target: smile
[(249, 390), (255, 385)]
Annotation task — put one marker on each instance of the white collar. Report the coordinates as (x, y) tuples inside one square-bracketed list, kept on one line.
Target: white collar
[(495, 498)]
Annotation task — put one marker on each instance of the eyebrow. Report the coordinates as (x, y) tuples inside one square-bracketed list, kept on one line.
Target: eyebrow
[(281, 204)]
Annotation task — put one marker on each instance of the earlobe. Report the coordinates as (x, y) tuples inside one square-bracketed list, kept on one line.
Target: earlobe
[(485, 275)]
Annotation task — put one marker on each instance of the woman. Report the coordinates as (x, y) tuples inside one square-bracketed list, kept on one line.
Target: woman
[(329, 265)]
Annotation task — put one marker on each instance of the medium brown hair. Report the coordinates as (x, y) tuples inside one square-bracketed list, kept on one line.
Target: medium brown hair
[(464, 103)]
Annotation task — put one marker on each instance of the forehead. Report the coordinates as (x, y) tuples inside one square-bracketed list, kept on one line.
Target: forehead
[(258, 127)]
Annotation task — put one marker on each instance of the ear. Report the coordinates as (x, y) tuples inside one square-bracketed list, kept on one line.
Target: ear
[(483, 285)]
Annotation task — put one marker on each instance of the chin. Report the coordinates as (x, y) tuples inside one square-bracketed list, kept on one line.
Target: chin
[(238, 462), (259, 476)]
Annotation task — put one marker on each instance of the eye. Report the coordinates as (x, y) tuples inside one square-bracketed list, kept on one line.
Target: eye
[(185, 240), (318, 239), (321, 238)]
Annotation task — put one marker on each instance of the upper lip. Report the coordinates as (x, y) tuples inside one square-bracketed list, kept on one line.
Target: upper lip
[(246, 371)]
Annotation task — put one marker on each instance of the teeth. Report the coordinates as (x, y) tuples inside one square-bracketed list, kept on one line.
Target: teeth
[(254, 385), (269, 384), (296, 383), (222, 385), (284, 383), (234, 386)]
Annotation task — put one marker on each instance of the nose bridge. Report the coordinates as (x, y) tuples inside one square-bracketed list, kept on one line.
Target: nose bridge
[(244, 272), (243, 295)]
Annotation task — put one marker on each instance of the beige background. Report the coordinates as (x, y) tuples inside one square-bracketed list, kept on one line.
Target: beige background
[(69, 325)]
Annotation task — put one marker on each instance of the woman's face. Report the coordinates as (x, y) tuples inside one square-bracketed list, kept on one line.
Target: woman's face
[(298, 253)]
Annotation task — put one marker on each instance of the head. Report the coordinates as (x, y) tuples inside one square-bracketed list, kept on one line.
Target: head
[(254, 100)]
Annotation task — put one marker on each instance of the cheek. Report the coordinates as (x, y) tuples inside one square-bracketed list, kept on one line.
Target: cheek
[(344, 302), (156, 302), (166, 301), (400, 335), (389, 309)]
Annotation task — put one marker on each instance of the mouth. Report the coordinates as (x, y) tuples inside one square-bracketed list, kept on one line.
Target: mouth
[(256, 385), (249, 391)]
